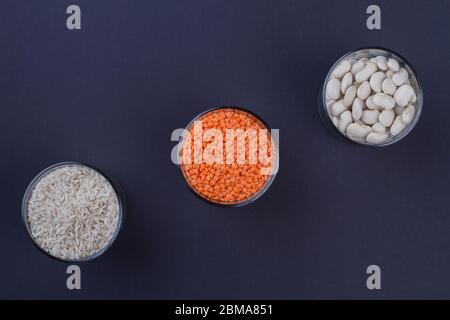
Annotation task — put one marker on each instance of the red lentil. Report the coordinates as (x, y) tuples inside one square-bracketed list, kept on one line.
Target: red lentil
[(225, 183)]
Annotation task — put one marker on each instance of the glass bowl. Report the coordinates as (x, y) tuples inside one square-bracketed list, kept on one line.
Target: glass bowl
[(267, 183), (44, 173), (372, 53)]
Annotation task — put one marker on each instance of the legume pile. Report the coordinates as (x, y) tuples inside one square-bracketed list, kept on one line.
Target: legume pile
[(371, 101), (229, 183)]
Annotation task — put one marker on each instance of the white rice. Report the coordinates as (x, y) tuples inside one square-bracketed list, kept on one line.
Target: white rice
[(73, 212)]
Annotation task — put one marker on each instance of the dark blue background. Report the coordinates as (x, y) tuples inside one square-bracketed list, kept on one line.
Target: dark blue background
[(111, 94)]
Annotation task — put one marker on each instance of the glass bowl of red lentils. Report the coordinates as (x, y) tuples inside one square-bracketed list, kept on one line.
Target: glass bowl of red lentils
[(228, 156)]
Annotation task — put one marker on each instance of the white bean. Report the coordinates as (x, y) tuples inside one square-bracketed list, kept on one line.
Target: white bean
[(346, 119), (357, 108), (414, 98), (376, 138), (376, 81), (357, 131), (338, 108), (364, 90), (350, 95), (336, 121), (366, 73), (382, 63), (404, 95), (399, 78), (370, 117), (387, 117), (389, 74), (393, 64), (334, 89), (329, 105), (347, 81), (388, 87), (341, 69), (370, 104), (397, 126), (379, 128), (384, 101), (408, 114), (357, 67)]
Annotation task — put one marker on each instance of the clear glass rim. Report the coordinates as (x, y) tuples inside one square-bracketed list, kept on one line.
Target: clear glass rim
[(45, 172), (419, 104), (261, 191)]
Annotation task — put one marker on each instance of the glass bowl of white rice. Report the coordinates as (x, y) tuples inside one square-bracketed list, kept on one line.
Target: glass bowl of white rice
[(73, 212)]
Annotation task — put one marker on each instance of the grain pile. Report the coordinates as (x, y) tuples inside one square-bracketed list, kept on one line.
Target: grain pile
[(73, 212)]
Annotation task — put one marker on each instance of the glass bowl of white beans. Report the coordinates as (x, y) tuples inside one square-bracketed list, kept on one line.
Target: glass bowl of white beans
[(372, 97)]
